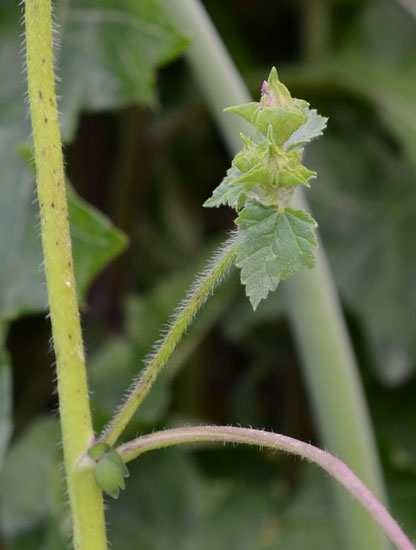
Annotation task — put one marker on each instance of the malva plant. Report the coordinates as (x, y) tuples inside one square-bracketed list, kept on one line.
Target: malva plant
[(272, 242)]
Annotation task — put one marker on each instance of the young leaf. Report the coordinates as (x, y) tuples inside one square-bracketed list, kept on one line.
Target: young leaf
[(272, 245), (229, 191), (312, 128)]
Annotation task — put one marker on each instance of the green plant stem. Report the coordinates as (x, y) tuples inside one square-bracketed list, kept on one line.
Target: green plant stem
[(333, 378), (77, 433), (203, 287), (228, 434), (315, 28)]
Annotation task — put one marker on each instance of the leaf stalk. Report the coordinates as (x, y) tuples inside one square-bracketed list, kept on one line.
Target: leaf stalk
[(247, 436), (312, 292), (202, 289)]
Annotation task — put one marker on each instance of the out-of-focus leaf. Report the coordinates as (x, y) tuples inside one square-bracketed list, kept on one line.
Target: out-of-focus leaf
[(390, 89), (365, 201), (272, 246), (47, 536), (5, 397), (396, 434), (111, 371), (309, 520), (31, 487), (22, 287), (107, 58), (96, 241), (120, 359), (109, 53), (169, 504)]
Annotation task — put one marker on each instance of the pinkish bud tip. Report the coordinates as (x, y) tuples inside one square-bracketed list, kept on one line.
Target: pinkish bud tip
[(264, 87)]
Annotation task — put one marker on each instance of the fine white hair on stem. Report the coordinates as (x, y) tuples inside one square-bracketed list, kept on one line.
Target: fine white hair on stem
[(248, 436), (202, 288)]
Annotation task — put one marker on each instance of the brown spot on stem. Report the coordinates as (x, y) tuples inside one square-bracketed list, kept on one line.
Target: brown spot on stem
[(40, 95), (46, 120), (53, 204), (70, 336), (43, 60)]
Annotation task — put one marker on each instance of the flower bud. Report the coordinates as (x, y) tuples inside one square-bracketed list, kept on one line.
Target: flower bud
[(110, 472)]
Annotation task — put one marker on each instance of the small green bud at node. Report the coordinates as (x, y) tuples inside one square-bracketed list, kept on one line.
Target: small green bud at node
[(110, 472)]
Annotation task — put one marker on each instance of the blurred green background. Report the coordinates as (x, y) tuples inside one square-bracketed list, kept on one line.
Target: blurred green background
[(142, 155)]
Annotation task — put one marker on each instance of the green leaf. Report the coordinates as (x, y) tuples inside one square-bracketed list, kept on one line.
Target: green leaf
[(390, 89), (367, 221), (120, 359), (229, 191), (169, 503), (272, 245), (31, 481), (312, 128), (109, 53), (309, 520), (107, 58), (96, 241), (22, 287)]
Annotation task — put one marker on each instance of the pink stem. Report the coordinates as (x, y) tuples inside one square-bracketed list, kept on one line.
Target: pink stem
[(227, 434)]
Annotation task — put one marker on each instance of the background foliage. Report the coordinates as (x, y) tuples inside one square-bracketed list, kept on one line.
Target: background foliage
[(144, 155)]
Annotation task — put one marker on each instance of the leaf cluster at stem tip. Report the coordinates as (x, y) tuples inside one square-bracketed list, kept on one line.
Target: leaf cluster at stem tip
[(274, 241)]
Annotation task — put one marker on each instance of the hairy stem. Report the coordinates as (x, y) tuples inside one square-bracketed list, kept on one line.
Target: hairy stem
[(228, 434), (336, 391), (77, 433), (203, 287)]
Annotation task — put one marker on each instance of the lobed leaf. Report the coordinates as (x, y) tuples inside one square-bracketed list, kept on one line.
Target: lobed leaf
[(229, 191), (272, 245), (311, 129)]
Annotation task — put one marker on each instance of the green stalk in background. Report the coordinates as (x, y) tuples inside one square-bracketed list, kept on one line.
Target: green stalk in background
[(77, 433), (328, 361)]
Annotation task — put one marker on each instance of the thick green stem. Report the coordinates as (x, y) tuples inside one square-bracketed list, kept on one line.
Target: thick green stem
[(77, 433), (247, 436), (315, 28), (336, 390), (203, 287)]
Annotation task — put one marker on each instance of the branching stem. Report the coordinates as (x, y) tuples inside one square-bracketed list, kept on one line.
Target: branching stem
[(77, 433), (227, 434), (203, 287), (313, 305)]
